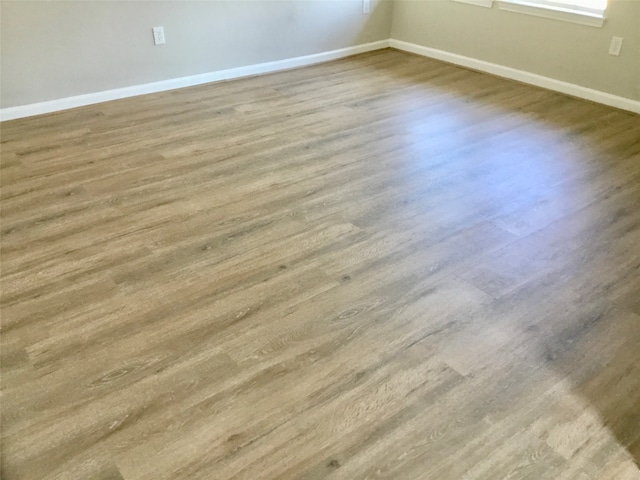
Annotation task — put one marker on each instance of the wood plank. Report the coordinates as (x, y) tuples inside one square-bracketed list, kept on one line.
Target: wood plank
[(379, 267)]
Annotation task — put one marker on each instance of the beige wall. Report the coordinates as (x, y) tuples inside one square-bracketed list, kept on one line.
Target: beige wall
[(563, 51), (58, 49)]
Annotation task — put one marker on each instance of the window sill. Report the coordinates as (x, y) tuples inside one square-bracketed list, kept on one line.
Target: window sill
[(479, 3), (556, 13)]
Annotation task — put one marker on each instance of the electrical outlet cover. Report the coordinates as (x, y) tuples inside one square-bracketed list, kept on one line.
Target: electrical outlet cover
[(615, 46), (158, 36)]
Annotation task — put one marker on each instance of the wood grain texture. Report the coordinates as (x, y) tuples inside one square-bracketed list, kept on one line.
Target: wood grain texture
[(380, 267)]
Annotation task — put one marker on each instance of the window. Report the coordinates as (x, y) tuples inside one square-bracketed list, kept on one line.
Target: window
[(586, 12)]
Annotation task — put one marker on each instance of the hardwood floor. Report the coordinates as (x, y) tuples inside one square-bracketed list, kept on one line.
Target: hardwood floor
[(380, 267)]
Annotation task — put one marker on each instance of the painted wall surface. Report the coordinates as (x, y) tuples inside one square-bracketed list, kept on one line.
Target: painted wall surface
[(57, 49), (564, 51)]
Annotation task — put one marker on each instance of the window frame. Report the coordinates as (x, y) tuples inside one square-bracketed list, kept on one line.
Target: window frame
[(478, 3)]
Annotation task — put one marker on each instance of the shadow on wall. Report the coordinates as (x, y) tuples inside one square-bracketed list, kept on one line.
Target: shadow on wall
[(376, 19)]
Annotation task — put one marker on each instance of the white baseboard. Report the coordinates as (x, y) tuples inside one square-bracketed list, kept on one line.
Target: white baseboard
[(21, 111), (520, 75), (260, 68)]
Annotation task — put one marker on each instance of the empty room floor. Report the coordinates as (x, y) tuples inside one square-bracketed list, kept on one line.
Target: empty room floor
[(380, 267)]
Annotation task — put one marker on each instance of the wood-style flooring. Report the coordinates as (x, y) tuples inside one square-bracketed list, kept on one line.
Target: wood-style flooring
[(383, 267)]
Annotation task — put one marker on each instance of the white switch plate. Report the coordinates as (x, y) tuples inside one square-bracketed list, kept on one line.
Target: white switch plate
[(616, 46), (158, 35), (366, 6)]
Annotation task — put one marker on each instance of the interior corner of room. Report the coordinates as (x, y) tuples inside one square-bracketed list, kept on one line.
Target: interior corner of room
[(58, 55)]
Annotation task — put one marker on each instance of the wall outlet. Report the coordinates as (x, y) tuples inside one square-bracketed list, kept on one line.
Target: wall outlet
[(366, 6), (615, 46), (158, 36)]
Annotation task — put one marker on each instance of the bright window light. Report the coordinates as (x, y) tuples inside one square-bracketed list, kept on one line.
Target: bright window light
[(595, 4), (587, 12), (584, 5)]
